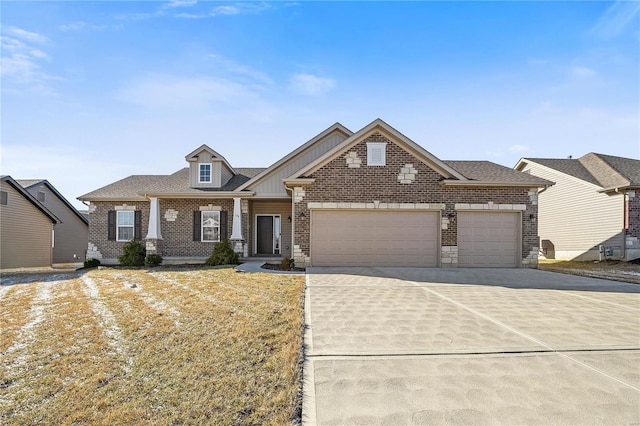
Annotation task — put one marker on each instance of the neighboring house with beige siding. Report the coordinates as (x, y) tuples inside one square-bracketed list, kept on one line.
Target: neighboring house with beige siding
[(26, 228), (371, 197), (592, 211), (71, 232)]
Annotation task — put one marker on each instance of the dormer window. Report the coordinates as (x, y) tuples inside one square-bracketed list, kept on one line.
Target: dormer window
[(205, 173), (376, 153)]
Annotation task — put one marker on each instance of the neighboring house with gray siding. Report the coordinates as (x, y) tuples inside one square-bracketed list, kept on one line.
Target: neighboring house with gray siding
[(72, 232), (592, 211), (371, 197), (26, 228)]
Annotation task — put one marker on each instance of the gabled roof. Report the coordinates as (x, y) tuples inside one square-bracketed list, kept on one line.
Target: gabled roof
[(9, 180), (606, 171), (404, 142), (269, 170), (123, 190), (492, 173), (29, 183), (192, 156)]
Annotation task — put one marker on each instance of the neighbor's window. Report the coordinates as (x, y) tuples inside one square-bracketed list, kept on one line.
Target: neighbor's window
[(3, 198), (210, 226), (124, 225), (205, 173), (376, 153)]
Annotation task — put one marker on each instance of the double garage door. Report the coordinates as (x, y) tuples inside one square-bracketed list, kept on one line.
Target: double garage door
[(396, 238), (374, 238)]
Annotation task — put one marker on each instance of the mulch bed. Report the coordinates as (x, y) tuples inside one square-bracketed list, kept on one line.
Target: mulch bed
[(273, 267)]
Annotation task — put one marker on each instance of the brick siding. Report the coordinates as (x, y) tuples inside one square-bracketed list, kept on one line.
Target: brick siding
[(337, 182), (177, 233), (98, 227)]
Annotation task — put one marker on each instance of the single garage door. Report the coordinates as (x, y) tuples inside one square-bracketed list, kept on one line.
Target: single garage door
[(488, 239), (374, 238)]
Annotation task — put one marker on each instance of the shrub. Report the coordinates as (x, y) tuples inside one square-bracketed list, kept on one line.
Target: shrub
[(223, 254), (133, 254), (152, 260), (287, 264), (91, 263)]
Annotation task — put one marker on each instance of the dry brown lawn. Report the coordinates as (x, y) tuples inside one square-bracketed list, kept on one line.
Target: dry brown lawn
[(611, 270), (159, 346)]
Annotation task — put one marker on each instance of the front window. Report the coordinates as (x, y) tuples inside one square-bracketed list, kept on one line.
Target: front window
[(205, 173), (124, 225), (210, 226)]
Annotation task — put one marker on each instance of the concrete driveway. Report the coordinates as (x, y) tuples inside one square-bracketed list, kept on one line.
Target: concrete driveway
[(400, 346)]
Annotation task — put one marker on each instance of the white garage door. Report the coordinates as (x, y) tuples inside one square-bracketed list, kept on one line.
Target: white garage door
[(488, 239), (368, 238)]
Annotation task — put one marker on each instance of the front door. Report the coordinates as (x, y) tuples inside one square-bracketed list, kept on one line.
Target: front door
[(265, 235), (268, 234)]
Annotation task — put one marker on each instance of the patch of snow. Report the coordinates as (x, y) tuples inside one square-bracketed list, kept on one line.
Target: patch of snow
[(154, 303), (35, 316), (106, 319), (628, 273)]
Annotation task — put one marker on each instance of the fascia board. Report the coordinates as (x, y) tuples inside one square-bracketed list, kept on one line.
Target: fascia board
[(492, 183)]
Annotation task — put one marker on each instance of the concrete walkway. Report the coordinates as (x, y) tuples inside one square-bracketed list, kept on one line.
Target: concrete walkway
[(404, 346)]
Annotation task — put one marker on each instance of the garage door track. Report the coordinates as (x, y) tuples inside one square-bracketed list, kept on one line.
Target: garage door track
[(469, 346)]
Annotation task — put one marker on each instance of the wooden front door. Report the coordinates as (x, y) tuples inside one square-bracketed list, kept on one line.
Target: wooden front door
[(265, 235)]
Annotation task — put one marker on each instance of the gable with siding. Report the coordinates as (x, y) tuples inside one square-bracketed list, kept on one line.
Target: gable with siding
[(574, 216)]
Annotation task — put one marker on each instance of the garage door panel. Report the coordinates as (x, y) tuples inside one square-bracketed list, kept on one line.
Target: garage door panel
[(488, 239), (353, 238)]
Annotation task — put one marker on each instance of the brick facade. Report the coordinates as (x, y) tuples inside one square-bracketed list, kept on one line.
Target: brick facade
[(176, 225), (338, 182), (100, 247)]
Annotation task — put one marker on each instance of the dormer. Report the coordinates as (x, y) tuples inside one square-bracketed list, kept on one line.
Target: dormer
[(208, 169)]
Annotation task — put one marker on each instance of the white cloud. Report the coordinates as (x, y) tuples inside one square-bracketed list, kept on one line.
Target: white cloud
[(21, 66), (616, 19), (228, 10), (164, 91), (581, 72), (82, 26), (26, 35), (518, 148), (309, 84), (240, 70)]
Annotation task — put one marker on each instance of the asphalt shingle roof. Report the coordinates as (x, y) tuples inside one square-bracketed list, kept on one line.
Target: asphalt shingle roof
[(27, 183), (486, 171), (176, 183), (606, 171)]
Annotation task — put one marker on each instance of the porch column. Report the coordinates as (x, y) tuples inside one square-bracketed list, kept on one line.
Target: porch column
[(236, 230), (154, 236)]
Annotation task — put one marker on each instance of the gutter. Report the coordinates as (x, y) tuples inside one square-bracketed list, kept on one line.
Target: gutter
[(497, 184)]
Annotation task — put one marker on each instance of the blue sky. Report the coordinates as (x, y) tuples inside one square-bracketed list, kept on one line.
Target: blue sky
[(95, 91)]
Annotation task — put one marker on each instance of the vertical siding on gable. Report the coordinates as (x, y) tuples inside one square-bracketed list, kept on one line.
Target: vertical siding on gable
[(225, 174), (194, 172), (575, 217), (71, 234), (25, 233), (273, 183)]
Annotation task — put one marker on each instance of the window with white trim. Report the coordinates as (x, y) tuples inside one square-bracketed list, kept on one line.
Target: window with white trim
[(125, 220), (210, 226), (376, 153), (204, 174)]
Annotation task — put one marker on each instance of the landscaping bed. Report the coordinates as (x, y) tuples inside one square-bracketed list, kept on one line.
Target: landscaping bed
[(150, 346), (607, 269)]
